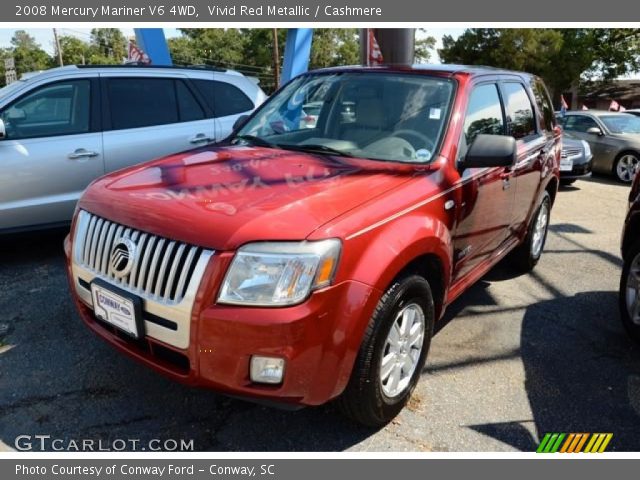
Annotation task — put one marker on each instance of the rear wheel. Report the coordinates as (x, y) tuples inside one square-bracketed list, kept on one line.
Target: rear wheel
[(526, 256), (392, 354), (626, 166), (629, 298)]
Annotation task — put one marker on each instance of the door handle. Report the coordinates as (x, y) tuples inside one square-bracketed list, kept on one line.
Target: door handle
[(201, 138), (82, 153)]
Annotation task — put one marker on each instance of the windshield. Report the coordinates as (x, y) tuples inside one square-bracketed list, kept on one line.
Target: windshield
[(381, 116), (622, 123)]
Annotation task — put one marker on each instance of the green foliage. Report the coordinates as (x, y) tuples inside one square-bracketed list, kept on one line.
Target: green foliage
[(424, 47), (562, 57), (74, 50), (28, 55), (109, 45)]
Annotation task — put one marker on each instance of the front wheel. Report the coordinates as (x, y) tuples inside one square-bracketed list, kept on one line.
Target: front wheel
[(626, 167), (526, 256), (392, 353), (629, 297)]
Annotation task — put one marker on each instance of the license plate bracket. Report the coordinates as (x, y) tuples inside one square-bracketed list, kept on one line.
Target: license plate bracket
[(566, 165), (118, 308)]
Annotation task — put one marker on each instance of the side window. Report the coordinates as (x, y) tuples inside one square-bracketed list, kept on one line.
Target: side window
[(223, 98), (547, 122), (141, 103), (484, 113), (519, 110), (189, 108), (579, 123), (57, 109)]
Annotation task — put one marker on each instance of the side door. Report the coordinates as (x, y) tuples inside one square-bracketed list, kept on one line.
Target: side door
[(147, 117), (487, 194), (51, 152), (226, 100), (602, 148), (534, 148)]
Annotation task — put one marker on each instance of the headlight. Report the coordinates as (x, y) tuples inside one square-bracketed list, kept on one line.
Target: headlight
[(275, 274), (587, 149)]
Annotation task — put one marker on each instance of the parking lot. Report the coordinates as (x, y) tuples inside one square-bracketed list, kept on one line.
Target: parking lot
[(519, 356)]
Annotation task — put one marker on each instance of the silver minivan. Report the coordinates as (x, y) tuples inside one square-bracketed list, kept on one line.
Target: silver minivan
[(64, 127)]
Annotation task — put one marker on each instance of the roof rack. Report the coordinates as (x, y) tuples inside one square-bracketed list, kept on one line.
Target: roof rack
[(141, 65)]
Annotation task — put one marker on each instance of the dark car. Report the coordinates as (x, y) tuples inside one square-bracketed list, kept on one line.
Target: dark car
[(614, 138), (575, 160), (630, 279)]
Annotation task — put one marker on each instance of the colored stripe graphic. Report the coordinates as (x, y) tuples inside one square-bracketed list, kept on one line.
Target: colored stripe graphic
[(574, 442)]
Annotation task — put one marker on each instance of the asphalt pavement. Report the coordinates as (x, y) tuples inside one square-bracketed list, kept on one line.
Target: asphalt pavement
[(516, 356)]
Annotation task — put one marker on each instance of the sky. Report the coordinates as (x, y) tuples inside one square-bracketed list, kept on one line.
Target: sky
[(44, 36)]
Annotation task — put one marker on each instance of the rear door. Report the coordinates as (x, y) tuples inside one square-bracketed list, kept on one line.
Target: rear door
[(485, 213), (52, 151), (534, 147), (147, 117)]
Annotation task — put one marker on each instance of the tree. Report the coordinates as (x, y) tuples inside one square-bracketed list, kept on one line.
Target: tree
[(334, 46), (562, 57), (74, 50), (109, 45), (28, 55), (424, 46)]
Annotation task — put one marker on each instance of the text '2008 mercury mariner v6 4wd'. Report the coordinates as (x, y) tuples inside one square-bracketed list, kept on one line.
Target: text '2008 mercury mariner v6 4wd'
[(299, 262)]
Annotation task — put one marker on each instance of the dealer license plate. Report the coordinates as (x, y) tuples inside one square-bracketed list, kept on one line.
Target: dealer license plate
[(566, 165), (119, 309)]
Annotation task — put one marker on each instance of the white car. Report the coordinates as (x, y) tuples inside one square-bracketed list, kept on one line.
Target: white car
[(64, 127)]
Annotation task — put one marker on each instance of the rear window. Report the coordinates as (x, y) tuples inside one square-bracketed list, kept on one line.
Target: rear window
[(547, 121), (223, 98), (519, 110)]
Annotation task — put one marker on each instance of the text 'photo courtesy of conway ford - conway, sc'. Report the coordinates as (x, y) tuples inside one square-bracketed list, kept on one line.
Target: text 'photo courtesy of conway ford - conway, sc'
[(308, 257)]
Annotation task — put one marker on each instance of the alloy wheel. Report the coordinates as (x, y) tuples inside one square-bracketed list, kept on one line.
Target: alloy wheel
[(402, 350)]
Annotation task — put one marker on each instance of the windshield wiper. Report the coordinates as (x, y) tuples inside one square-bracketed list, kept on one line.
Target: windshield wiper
[(252, 139), (310, 147)]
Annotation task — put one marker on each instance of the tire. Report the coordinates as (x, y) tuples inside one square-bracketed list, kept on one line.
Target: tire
[(626, 298), (526, 256), (568, 182), (626, 166), (368, 398)]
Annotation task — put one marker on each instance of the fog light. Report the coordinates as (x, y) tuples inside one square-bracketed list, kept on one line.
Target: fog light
[(267, 369)]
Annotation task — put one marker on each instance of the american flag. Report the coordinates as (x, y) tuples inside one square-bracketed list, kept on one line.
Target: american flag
[(136, 55), (375, 55)]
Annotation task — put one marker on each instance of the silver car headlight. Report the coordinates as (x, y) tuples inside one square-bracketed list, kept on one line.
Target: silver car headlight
[(276, 274), (587, 149)]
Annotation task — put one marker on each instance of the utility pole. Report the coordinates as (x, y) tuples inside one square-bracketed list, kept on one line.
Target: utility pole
[(58, 49), (276, 59)]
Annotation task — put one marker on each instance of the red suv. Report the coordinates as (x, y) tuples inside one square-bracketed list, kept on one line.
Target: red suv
[(298, 264)]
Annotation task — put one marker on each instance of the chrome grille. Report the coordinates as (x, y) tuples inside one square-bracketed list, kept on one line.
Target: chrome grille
[(162, 268), (570, 152)]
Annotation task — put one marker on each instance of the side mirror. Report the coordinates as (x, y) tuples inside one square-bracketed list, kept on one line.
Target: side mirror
[(3, 130), (491, 151), (16, 114), (240, 121), (594, 131)]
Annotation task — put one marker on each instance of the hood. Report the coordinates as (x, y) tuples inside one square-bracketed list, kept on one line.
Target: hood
[(224, 197)]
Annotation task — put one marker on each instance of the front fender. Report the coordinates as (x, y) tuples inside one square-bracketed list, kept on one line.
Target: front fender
[(381, 253)]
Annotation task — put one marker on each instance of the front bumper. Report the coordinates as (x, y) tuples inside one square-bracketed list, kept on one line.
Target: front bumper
[(319, 339), (579, 170)]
